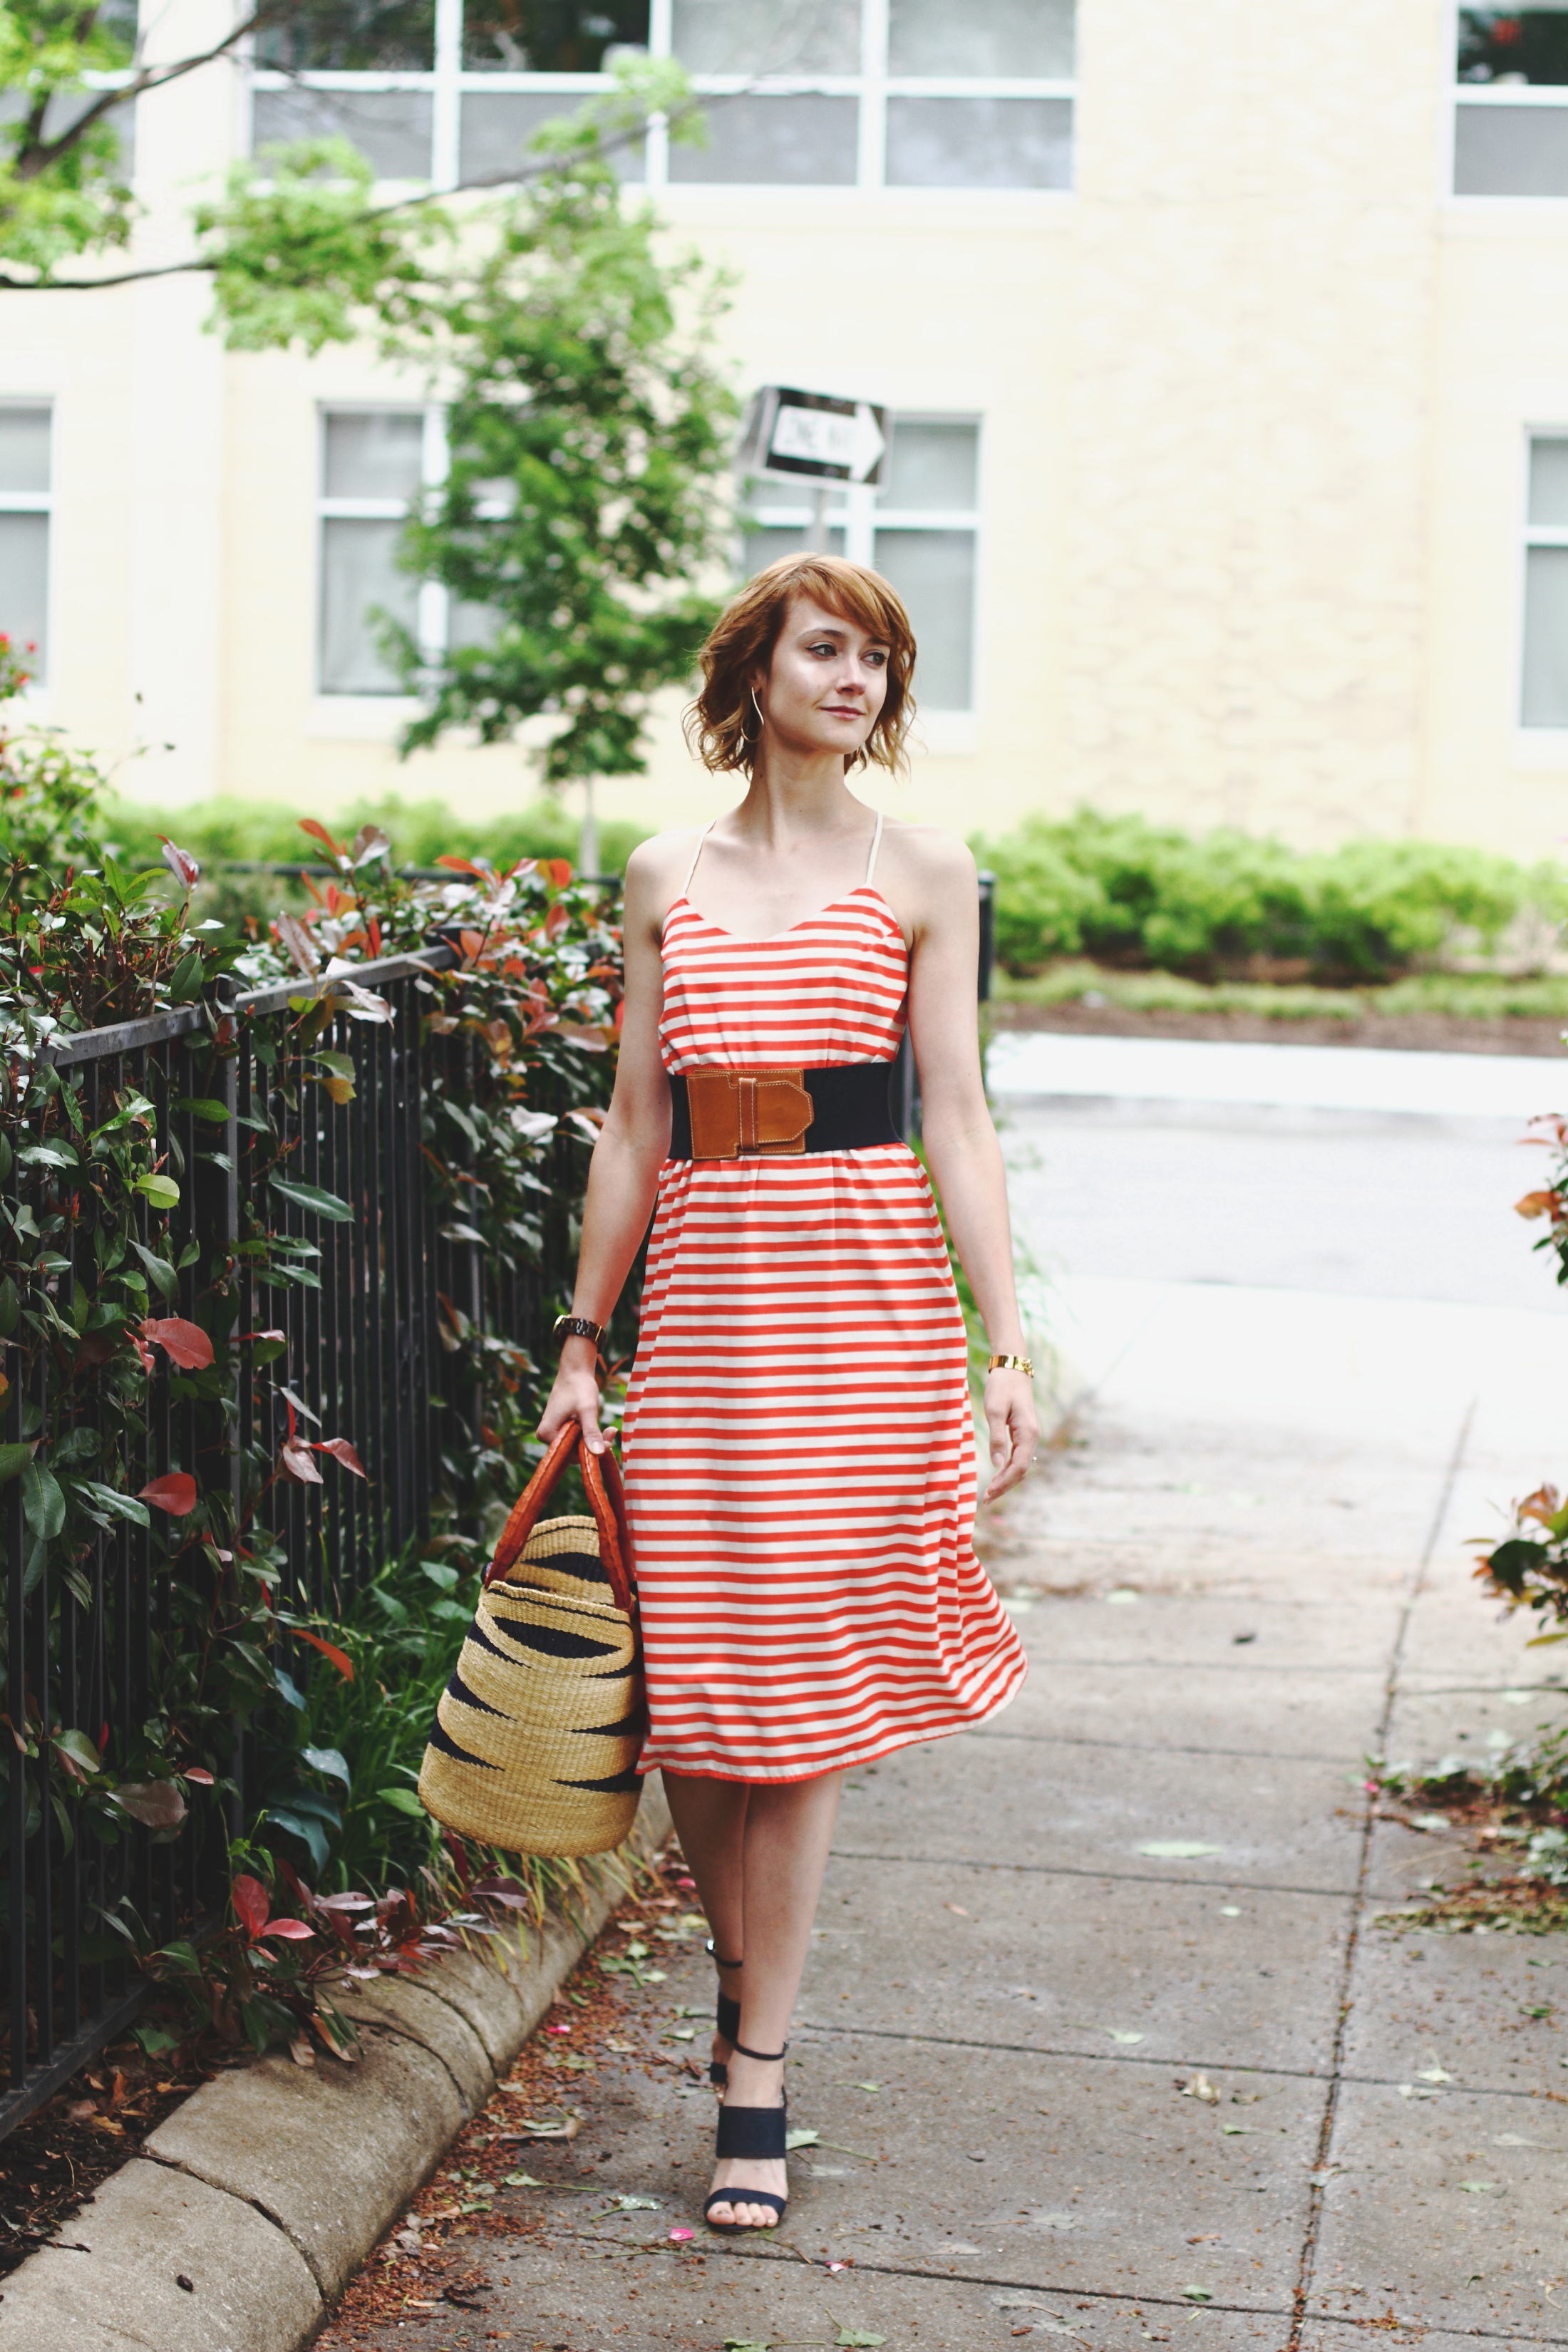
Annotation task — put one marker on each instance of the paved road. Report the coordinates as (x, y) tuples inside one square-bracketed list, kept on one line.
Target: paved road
[(1154, 1877)]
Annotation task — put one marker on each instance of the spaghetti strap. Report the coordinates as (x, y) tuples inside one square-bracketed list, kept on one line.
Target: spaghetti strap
[(691, 869), (876, 845)]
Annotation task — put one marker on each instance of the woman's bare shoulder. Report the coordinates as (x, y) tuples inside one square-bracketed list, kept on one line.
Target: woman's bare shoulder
[(926, 855), (658, 866)]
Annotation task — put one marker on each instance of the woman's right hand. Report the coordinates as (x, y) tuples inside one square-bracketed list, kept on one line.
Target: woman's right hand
[(574, 1396)]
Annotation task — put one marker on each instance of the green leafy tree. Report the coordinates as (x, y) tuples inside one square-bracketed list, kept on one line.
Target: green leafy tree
[(63, 190), (589, 426)]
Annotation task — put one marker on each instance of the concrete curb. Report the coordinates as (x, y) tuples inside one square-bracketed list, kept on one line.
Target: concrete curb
[(246, 2213)]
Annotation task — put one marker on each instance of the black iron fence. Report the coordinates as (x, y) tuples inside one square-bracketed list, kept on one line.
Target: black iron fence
[(371, 1357)]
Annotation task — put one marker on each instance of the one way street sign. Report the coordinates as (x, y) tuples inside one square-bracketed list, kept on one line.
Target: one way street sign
[(813, 436)]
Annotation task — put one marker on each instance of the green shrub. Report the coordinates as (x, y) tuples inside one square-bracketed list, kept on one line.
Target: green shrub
[(267, 832), (1124, 891)]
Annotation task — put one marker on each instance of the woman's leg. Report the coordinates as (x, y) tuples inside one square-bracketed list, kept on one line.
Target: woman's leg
[(710, 1819), (762, 1848)]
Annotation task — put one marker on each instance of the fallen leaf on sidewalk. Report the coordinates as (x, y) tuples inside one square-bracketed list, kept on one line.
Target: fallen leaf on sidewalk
[(1010, 2299), (636, 2204), (794, 2139), (868, 2086), (1118, 2033), (1483, 2188), (956, 1907), (1201, 2088), (1198, 2294), (1178, 1849)]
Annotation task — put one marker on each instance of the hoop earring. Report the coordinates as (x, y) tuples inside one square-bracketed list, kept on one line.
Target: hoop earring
[(757, 707)]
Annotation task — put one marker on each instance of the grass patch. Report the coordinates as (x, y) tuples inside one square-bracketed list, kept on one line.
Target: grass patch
[(1479, 996)]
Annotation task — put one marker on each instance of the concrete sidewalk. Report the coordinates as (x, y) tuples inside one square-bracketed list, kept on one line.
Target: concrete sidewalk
[(1099, 2037)]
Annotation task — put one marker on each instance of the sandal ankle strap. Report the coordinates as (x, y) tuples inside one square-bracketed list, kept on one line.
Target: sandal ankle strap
[(768, 2057), (712, 1954)]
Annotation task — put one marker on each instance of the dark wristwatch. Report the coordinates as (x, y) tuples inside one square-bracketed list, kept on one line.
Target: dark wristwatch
[(577, 1326)]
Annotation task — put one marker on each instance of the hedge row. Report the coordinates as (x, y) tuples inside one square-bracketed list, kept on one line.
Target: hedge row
[(1225, 903), (268, 832)]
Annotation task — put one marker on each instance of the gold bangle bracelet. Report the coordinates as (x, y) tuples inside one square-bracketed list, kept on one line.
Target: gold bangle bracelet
[(1011, 1364)]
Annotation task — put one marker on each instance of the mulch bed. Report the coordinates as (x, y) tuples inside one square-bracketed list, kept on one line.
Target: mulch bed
[(1427, 1033), (1505, 1901), (52, 2163)]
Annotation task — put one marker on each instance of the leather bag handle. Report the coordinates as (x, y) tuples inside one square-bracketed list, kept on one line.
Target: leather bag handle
[(606, 1500)]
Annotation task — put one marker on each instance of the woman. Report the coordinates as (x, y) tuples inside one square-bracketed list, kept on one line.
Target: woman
[(799, 1451)]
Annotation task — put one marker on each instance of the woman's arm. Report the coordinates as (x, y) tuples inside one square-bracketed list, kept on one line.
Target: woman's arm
[(961, 1146), (623, 1177)]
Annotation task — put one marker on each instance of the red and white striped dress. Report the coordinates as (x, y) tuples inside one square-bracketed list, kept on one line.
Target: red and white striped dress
[(799, 1450)]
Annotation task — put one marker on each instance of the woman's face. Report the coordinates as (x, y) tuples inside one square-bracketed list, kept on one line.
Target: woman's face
[(827, 683)]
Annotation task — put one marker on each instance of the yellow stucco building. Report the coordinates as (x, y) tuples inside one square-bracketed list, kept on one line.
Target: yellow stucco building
[(1226, 346)]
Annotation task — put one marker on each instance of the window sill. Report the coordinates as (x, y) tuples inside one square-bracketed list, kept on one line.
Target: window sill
[(753, 204), (362, 718), (1541, 747)]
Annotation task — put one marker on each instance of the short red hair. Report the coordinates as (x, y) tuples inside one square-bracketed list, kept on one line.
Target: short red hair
[(742, 642)]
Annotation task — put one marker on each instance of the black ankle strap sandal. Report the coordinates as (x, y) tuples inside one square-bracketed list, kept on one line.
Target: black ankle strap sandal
[(759, 2133), (728, 2020)]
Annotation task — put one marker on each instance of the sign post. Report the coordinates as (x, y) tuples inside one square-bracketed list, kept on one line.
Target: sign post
[(816, 437)]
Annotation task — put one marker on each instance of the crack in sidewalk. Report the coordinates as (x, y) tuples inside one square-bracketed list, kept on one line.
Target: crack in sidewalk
[(1364, 1871)]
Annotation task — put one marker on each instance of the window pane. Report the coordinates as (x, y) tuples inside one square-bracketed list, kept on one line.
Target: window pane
[(392, 127), (765, 545), (1546, 637), (69, 107), (548, 36), (979, 142), (375, 454), (1514, 45), (357, 574), (982, 36), (472, 627), (24, 584), (24, 449), (1548, 482), (352, 36), (768, 37), (934, 571), (1510, 150), (498, 124), (929, 465), (809, 141)]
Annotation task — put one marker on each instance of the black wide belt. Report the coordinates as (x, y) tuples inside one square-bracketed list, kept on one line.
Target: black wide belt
[(770, 1112)]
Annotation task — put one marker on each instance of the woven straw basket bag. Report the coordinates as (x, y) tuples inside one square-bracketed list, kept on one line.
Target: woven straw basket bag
[(537, 1735)]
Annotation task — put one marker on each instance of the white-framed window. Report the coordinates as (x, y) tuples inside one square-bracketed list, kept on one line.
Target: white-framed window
[(375, 462), (837, 93), (1510, 108), (921, 529), (26, 518), (1544, 683)]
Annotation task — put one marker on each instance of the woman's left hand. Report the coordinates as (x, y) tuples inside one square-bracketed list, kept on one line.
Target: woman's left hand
[(1015, 1429)]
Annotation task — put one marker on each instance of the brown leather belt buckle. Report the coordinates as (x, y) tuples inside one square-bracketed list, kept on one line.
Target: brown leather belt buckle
[(737, 1111)]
